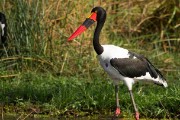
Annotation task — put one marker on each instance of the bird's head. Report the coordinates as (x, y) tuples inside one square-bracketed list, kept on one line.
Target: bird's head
[(97, 14)]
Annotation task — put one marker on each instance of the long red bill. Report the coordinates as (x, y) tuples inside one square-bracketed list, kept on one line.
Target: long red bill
[(88, 22), (81, 29)]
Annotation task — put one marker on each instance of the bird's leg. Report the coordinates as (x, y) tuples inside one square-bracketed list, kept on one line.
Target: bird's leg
[(118, 111), (134, 104)]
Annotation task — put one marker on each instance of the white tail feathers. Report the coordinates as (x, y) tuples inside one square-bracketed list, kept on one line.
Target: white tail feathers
[(165, 83), (161, 81)]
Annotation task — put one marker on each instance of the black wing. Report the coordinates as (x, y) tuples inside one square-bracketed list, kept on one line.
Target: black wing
[(134, 66)]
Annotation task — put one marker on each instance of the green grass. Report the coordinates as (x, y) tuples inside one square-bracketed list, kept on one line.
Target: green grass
[(45, 73), (62, 95)]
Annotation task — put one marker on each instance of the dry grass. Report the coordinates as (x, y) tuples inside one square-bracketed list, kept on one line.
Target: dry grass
[(39, 30)]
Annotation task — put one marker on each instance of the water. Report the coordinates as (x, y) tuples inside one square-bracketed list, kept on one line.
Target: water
[(15, 117), (23, 117)]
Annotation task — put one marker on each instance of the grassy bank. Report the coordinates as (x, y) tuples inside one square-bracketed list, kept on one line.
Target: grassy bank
[(43, 74), (73, 96)]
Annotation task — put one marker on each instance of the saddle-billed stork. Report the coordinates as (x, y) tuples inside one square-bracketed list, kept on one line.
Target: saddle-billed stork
[(120, 63), (3, 29)]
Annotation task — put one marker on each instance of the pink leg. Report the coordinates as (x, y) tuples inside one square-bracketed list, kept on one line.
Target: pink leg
[(134, 104), (118, 111), (137, 115)]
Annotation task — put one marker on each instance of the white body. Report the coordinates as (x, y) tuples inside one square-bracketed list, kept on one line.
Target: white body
[(2, 27), (111, 51)]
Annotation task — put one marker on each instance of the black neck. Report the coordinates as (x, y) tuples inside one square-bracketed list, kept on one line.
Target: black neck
[(97, 46)]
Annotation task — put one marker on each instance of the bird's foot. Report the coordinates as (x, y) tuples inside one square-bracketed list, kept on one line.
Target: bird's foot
[(118, 111), (137, 115)]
